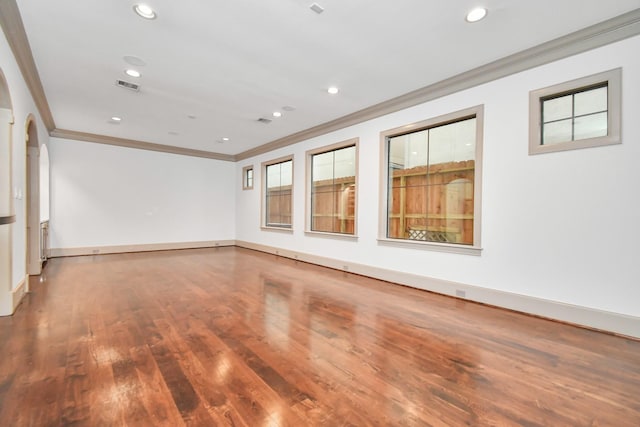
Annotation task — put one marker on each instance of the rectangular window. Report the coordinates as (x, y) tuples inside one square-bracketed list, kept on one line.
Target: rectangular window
[(247, 178), (332, 196), (577, 114), (278, 183), (433, 180)]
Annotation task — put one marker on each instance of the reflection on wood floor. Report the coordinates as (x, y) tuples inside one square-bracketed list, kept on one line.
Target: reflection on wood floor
[(230, 336)]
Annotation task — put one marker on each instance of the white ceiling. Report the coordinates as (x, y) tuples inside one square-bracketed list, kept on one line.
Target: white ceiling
[(230, 62)]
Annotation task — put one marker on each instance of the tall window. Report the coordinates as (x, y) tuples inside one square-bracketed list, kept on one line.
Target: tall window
[(333, 188), (577, 114), (433, 179), (278, 180)]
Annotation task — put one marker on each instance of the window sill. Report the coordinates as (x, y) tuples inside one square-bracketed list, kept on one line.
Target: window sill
[(281, 229), (432, 246), (328, 235), (575, 145)]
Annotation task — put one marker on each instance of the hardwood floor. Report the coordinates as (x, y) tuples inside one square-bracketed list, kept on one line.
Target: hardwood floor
[(230, 336)]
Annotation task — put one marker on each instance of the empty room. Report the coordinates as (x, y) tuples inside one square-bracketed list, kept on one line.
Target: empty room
[(332, 213)]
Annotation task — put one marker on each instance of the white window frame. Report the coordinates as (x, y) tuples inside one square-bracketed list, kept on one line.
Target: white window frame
[(475, 248), (245, 181), (263, 210), (613, 80), (353, 142)]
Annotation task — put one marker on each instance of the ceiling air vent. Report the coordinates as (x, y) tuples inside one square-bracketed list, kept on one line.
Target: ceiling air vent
[(317, 8), (264, 121), (131, 86)]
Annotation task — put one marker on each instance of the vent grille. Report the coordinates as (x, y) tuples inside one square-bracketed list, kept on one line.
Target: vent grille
[(317, 8), (264, 120), (128, 85)]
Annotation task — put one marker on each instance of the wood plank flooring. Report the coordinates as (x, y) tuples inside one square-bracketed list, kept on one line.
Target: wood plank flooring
[(233, 337)]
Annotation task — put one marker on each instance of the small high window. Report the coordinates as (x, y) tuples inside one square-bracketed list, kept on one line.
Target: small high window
[(278, 190), (247, 178), (332, 198), (577, 114)]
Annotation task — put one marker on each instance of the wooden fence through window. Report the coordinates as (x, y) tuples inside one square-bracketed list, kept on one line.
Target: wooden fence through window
[(433, 203)]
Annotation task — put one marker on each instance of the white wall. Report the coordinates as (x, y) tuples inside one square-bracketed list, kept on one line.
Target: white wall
[(109, 196), (563, 227), (23, 106)]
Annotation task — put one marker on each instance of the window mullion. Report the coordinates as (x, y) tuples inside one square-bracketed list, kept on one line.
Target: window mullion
[(335, 214), (573, 117), (426, 196)]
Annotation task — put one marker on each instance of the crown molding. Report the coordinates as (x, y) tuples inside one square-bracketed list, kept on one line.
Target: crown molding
[(598, 35), (141, 145), (11, 23)]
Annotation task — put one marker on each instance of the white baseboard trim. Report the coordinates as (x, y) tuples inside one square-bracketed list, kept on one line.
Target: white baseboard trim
[(19, 292), (581, 316), (101, 250)]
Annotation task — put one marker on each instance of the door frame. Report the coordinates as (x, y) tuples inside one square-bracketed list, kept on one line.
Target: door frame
[(33, 263), (7, 212)]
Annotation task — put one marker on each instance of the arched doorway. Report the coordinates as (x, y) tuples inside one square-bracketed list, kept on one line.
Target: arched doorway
[(33, 259), (7, 213)]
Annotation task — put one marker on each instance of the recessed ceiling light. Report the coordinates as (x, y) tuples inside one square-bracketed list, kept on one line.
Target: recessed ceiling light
[(476, 14), (225, 139), (144, 11), (191, 116), (132, 73), (277, 114), (333, 90), (288, 108), (116, 118)]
